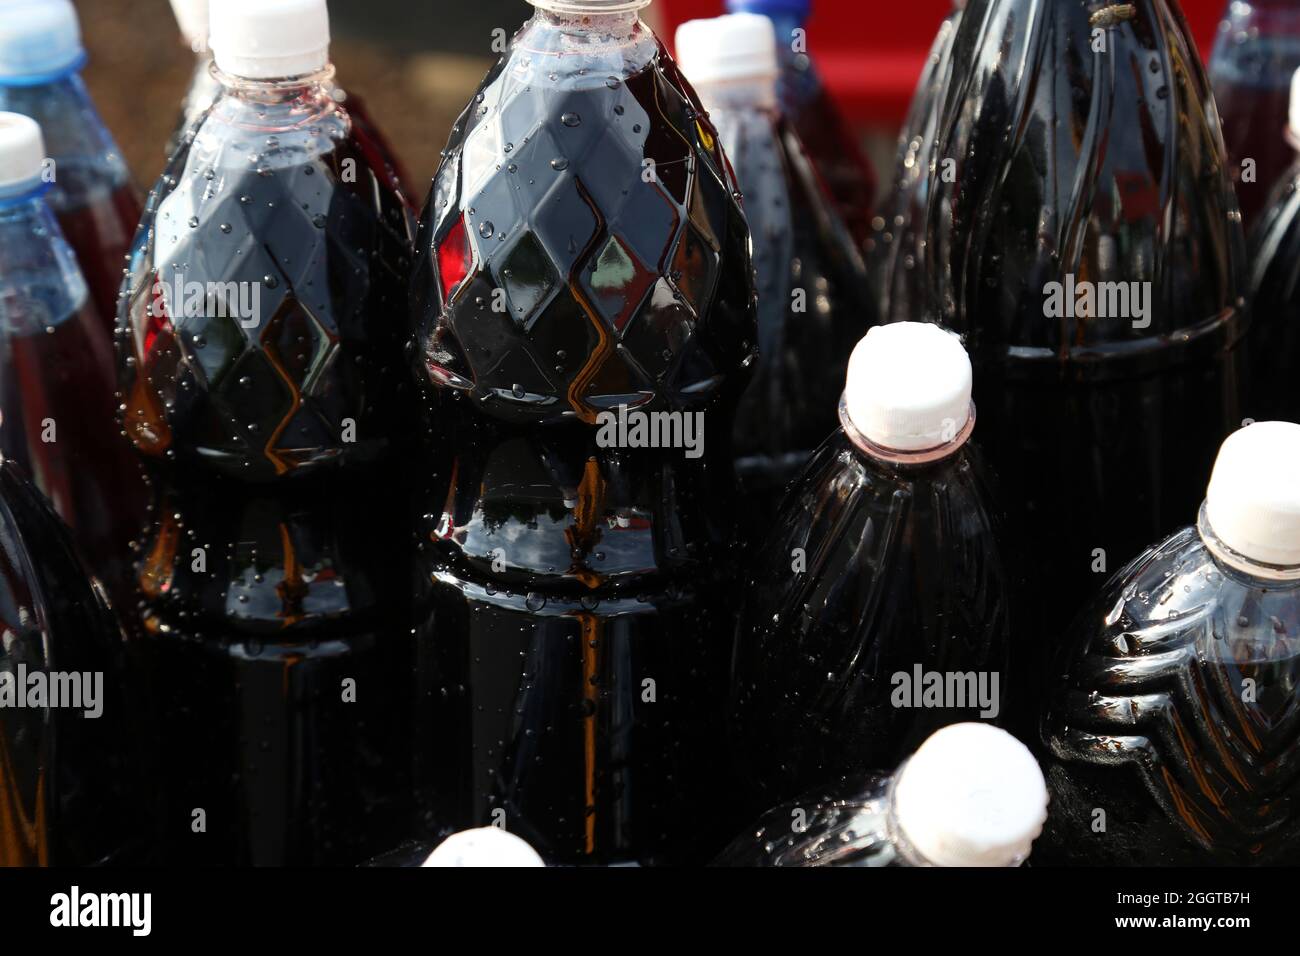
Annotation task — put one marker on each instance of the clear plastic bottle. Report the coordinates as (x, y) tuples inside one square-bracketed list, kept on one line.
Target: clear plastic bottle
[(883, 579), (204, 88), (971, 796), (92, 194), (1082, 236), (896, 251), (828, 138), (56, 368), (1171, 733), (814, 303), (1275, 290), (584, 262), (72, 781), (192, 18), (1255, 55), (266, 385)]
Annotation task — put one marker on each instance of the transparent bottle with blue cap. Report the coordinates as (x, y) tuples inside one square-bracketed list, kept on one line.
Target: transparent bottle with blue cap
[(971, 796), (97, 204), (57, 386), (1171, 731), (814, 299), (835, 149), (878, 609)]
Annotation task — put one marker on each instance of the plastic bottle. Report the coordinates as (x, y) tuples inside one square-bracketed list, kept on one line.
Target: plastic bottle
[(1173, 720), (814, 301), (896, 251), (97, 205), (204, 88), (1274, 293), (1255, 55), (265, 382), (831, 143), (56, 368), (877, 609), (971, 796), (584, 279), (1082, 235), (70, 767), (192, 17)]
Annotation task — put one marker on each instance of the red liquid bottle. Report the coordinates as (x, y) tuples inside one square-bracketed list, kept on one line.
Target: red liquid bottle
[(97, 205), (1256, 54), (56, 370)]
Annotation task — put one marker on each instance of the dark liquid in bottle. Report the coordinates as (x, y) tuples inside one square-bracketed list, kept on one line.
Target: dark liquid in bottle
[(71, 789), (871, 572), (278, 671), (1102, 416), (100, 233), (574, 613), (815, 303), (1175, 717), (264, 377), (56, 393)]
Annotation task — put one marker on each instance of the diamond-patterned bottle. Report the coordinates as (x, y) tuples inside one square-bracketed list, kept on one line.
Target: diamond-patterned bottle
[(264, 377), (583, 252), (264, 304)]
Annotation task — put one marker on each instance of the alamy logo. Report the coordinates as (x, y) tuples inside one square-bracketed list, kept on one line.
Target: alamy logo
[(1098, 300), (96, 910), (636, 429), (38, 690), (241, 301), (948, 690)]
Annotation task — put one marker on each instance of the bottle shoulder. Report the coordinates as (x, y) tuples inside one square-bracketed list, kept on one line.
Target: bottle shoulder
[(43, 284)]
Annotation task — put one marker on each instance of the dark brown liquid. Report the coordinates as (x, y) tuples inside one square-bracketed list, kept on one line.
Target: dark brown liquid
[(56, 392), (101, 233)]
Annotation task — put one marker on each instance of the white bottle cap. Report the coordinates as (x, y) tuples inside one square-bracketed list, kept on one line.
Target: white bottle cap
[(739, 46), (192, 18), (1253, 502), (270, 39), (590, 7), (1294, 117), (489, 846), (22, 151), (909, 386), (972, 795), (39, 40)]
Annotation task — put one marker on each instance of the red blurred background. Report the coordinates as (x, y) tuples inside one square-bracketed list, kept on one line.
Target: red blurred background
[(872, 67)]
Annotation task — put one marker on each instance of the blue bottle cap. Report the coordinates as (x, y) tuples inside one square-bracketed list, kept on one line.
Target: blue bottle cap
[(799, 9), (40, 41)]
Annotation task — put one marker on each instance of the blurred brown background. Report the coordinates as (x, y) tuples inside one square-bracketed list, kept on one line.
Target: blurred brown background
[(416, 63)]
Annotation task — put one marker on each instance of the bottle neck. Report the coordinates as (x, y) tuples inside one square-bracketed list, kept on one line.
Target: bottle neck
[(24, 201), (1236, 564), (274, 105), (595, 23), (758, 93), (895, 458)]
